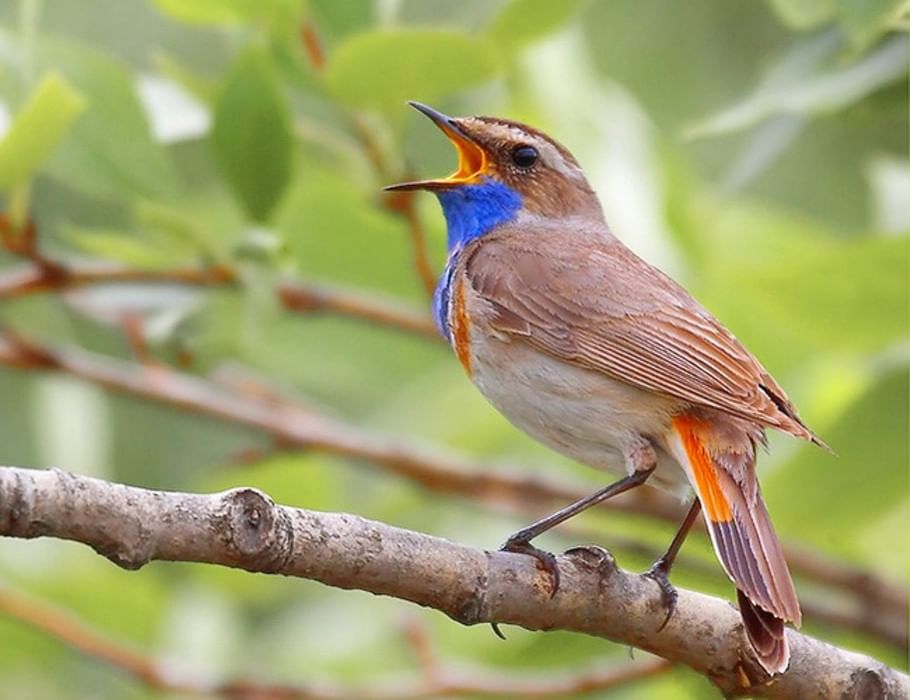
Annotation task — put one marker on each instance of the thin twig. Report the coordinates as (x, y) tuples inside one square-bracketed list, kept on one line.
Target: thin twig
[(403, 203), (73, 633), (133, 331), (312, 45), (400, 203), (307, 298), (418, 639), (23, 241), (295, 296), (867, 586), (155, 674)]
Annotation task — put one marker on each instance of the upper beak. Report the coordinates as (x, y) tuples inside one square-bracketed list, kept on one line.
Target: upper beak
[(472, 159)]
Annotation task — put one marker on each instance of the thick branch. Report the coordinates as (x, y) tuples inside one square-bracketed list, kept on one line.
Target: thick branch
[(244, 529), (294, 425)]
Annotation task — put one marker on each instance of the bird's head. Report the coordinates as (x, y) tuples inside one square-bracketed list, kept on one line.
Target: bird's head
[(505, 169)]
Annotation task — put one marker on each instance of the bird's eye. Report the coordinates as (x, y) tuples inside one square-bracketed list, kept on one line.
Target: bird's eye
[(524, 156)]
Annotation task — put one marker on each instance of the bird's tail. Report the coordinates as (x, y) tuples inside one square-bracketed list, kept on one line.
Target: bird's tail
[(719, 457)]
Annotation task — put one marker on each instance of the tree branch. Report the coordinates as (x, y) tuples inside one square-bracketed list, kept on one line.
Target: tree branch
[(244, 529), (295, 296), (291, 424), (438, 681)]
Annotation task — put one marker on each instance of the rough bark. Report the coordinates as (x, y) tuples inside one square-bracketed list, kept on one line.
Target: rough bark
[(243, 528)]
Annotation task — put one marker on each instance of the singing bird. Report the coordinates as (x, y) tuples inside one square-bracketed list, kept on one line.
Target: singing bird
[(600, 356)]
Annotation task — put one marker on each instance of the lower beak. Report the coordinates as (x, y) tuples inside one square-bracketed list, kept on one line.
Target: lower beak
[(472, 159)]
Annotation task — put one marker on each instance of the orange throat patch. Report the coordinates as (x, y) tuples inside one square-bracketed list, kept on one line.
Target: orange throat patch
[(461, 327)]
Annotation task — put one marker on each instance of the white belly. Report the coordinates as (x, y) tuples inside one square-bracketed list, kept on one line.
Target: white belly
[(580, 413)]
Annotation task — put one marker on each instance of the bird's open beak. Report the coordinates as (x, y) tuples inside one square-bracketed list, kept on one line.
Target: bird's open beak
[(472, 159)]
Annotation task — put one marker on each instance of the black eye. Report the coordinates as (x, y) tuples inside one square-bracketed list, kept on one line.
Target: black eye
[(524, 156)]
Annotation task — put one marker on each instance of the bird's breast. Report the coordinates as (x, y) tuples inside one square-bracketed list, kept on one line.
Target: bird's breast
[(580, 413)]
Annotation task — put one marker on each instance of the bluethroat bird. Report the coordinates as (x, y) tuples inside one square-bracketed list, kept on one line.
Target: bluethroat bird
[(592, 351)]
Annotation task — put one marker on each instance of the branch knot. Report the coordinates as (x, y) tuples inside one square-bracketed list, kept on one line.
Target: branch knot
[(260, 531)]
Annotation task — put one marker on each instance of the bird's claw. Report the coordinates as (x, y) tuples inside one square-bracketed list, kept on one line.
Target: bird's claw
[(668, 594), (545, 560)]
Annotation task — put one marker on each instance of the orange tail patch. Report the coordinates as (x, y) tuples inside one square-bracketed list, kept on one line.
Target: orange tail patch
[(713, 500), (741, 531)]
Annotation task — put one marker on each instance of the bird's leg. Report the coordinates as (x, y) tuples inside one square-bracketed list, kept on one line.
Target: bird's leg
[(641, 460), (660, 569)]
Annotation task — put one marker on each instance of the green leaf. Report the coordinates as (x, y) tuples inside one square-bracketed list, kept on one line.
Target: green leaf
[(804, 14), (335, 233), (815, 291), (38, 129), (521, 22), (251, 135), (201, 87), (383, 68), (110, 151), (866, 478), (178, 229), (866, 20), (230, 11), (336, 19), (850, 295), (810, 80), (119, 246), (886, 541)]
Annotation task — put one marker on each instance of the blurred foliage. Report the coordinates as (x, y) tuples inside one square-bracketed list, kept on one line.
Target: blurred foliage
[(251, 135), (49, 111), (755, 150)]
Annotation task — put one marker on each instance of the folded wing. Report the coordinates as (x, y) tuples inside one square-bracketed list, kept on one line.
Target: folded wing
[(598, 305)]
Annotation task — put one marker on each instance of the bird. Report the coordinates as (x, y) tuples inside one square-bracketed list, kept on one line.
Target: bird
[(602, 357)]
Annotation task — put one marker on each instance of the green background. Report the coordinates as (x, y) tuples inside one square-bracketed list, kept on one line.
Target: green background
[(757, 151)]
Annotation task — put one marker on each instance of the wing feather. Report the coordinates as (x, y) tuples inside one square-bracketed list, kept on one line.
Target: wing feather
[(596, 304)]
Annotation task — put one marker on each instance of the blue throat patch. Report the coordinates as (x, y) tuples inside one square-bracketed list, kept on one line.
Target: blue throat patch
[(470, 211), (473, 210)]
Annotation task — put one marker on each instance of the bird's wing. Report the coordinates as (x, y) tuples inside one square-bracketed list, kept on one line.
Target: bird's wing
[(591, 301)]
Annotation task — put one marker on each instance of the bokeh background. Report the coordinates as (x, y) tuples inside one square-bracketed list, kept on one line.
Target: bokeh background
[(757, 151)]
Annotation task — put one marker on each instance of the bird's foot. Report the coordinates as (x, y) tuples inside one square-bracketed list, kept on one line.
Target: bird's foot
[(659, 574), (545, 560)]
